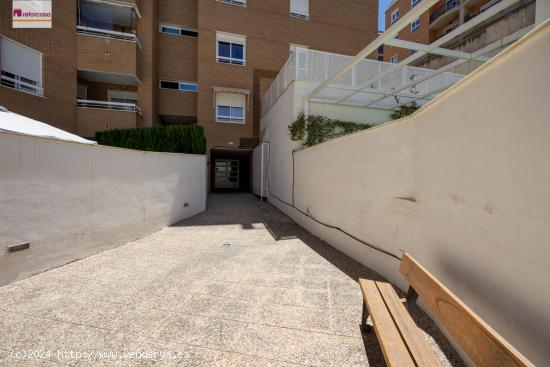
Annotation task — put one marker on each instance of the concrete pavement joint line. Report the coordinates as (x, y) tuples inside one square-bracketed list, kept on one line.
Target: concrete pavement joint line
[(271, 325), (57, 320), (229, 351)]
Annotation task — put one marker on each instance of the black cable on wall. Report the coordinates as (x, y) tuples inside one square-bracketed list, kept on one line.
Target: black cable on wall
[(308, 214)]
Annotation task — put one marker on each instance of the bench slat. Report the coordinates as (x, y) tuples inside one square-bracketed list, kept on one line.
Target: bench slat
[(392, 345), (479, 341), (422, 353)]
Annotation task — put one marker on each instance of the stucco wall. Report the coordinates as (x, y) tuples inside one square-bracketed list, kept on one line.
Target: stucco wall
[(72, 200), (463, 185)]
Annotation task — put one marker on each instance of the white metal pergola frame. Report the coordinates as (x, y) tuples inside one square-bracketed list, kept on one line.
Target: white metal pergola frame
[(388, 38)]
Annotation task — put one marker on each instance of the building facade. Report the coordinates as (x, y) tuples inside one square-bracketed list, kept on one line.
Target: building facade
[(446, 16), (110, 64)]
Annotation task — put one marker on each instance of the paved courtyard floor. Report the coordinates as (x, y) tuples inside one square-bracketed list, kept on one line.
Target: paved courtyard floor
[(239, 285)]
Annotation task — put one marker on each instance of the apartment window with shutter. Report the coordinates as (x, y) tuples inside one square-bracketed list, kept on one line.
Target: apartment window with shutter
[(20, 67), (230, 107), (299, 8), (394, 16), (230, 48), (234, 2), (415, 25)]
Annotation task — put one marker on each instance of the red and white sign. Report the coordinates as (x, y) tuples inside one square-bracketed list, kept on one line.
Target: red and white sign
[(32, 13)]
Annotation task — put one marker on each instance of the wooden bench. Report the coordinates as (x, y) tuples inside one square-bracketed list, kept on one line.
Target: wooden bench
[(402, 342)]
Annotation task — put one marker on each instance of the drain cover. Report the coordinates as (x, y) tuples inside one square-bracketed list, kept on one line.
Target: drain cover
[(226, 245)]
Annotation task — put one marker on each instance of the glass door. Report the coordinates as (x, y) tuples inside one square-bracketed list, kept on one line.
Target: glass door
[(227, 174)]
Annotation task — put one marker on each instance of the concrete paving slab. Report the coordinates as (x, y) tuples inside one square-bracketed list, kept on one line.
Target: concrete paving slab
[(239, 285)]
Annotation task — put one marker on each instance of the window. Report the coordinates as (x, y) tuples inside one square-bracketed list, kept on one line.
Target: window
[(394, 59), (176, 31), (121, 96), (235, 2), (394, 16), (380, 53), (414, 3), (231, 49), (20, 67), (183, 86), (102, 15), (230, 107), (415, 25), (299, 8)]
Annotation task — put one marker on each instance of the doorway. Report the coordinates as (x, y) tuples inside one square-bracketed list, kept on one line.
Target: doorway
[(226, 174), (230, 170)]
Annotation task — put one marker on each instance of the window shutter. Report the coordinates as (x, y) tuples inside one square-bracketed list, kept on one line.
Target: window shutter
[(230, 99), (20, 60), (230, 38), (299, 7)]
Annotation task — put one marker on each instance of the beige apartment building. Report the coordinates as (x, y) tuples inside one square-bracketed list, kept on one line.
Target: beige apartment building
[(446, 16), (110, 64)]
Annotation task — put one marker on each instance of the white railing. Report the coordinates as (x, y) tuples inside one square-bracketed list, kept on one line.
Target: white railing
[(286, 76), (317, 66), (132, 37), (107, 105), (19, 84)]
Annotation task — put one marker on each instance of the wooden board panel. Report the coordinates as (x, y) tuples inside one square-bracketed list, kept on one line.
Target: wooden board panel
[(392, 345), (421, 352), (478, 340)]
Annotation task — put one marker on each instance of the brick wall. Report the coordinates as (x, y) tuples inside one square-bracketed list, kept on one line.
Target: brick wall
[(58, 45), (344, 27), (107, 55)]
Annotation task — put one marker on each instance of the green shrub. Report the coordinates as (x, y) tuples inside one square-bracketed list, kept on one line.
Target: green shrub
[(175, 139), (405, 110), (315, 130)]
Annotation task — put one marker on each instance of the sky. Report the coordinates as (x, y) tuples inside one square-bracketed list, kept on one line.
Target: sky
[(382, 5)]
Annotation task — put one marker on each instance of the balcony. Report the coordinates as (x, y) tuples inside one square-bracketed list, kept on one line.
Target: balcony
[(106, 101), (445, 14), (93, 116), (107, 37), (108, 55)]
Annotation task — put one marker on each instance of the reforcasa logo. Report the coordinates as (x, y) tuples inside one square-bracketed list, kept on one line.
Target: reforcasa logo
[(17, 12)]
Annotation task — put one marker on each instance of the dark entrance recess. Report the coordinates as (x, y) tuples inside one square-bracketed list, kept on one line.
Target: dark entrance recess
[(230, 170)]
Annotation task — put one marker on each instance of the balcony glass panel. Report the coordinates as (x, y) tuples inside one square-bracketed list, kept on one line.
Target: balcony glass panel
[(105, 16)]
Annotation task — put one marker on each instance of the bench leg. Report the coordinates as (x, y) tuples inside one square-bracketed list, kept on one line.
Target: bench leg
[(412, 297), (365, 315)]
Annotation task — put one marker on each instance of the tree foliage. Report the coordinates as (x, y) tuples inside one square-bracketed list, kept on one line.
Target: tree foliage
[(405, 110)]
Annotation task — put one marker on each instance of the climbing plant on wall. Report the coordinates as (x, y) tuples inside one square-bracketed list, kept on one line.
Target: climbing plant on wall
[(315, 130)]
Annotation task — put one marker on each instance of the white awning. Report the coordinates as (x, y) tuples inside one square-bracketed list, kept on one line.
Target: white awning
[(14, 123)]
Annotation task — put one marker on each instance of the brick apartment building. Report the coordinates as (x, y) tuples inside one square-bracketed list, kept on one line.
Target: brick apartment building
[(110, 64), (447, 15)]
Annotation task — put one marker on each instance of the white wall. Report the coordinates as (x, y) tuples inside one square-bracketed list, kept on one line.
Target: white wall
[(71, 200), (542, 11), (373, 116), (463, 185)]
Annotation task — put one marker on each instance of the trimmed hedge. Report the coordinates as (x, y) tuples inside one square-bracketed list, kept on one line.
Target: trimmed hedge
[(174, 139)]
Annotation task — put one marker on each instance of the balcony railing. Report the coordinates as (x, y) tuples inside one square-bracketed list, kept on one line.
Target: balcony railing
[(108, 105), (314, 67), (448, 6), (132, 37), (19, 83)]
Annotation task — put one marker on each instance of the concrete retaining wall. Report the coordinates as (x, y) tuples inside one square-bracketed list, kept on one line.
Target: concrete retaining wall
[(463, 185), (72, 200)]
